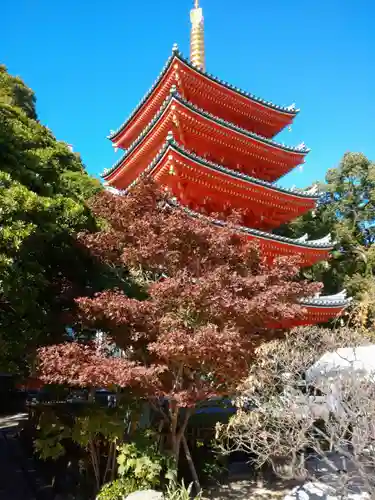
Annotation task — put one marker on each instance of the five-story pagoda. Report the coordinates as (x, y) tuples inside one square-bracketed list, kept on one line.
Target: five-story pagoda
[(212, 145)]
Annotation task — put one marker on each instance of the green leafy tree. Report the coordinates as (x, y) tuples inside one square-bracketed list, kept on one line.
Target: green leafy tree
[(43, 188), (99, 432), (347, 211), (95, 430)]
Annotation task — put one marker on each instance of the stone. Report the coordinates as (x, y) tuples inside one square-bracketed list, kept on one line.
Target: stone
[(321, 491), (145, 495)]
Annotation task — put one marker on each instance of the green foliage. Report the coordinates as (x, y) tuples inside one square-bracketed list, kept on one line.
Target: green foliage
[(347, 212), (51, 434), (140, 467), (92, 424), (107, 424), (43, 188), (140, 463), (116, 490), (144, 470), (213, 468), (14, 93), (181, 492)]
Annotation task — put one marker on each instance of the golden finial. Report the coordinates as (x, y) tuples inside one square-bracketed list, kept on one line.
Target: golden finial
[(197, 52)]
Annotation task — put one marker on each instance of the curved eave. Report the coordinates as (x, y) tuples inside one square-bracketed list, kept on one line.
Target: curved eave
[(236, 90), (238, 175), (172, 144), (257, 234), (316, 313), (262, 234), (236, 128), (174, 96), (311, 245), (177, 55), (325, 304), (339, 300)]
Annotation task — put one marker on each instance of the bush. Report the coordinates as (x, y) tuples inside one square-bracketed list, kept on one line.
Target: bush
[(140, 467), (116, 490), (181, 492)]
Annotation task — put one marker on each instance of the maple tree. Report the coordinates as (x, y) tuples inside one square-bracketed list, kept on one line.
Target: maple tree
[(208, 302)]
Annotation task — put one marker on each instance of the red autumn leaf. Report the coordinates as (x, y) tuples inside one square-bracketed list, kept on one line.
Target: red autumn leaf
[(210, 301)]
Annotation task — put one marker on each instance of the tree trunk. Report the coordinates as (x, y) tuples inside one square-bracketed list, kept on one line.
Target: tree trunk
[(113, 470), (191, 464), (91, 395), (174, 438), (95, 464), (111, 462)]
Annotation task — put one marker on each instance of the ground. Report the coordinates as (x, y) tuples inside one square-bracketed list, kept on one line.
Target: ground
[(15, 470), (249, 490), (19, 480)]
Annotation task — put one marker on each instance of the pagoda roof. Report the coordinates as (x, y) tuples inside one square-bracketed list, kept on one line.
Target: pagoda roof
[(265, 205), (320, 309), (290, 111), (322, 245), (175, 96), (330, 301), (272, 245), (325, 243), (170, 143)]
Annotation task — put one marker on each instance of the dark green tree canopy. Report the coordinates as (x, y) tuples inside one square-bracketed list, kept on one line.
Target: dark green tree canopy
[(43, 188), (347, 211), (15, 93)]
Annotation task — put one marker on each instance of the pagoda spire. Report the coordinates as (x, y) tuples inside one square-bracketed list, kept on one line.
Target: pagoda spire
[(197, 52)]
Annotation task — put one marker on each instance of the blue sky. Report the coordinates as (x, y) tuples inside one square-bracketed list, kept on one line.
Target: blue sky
[(90, 62)]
